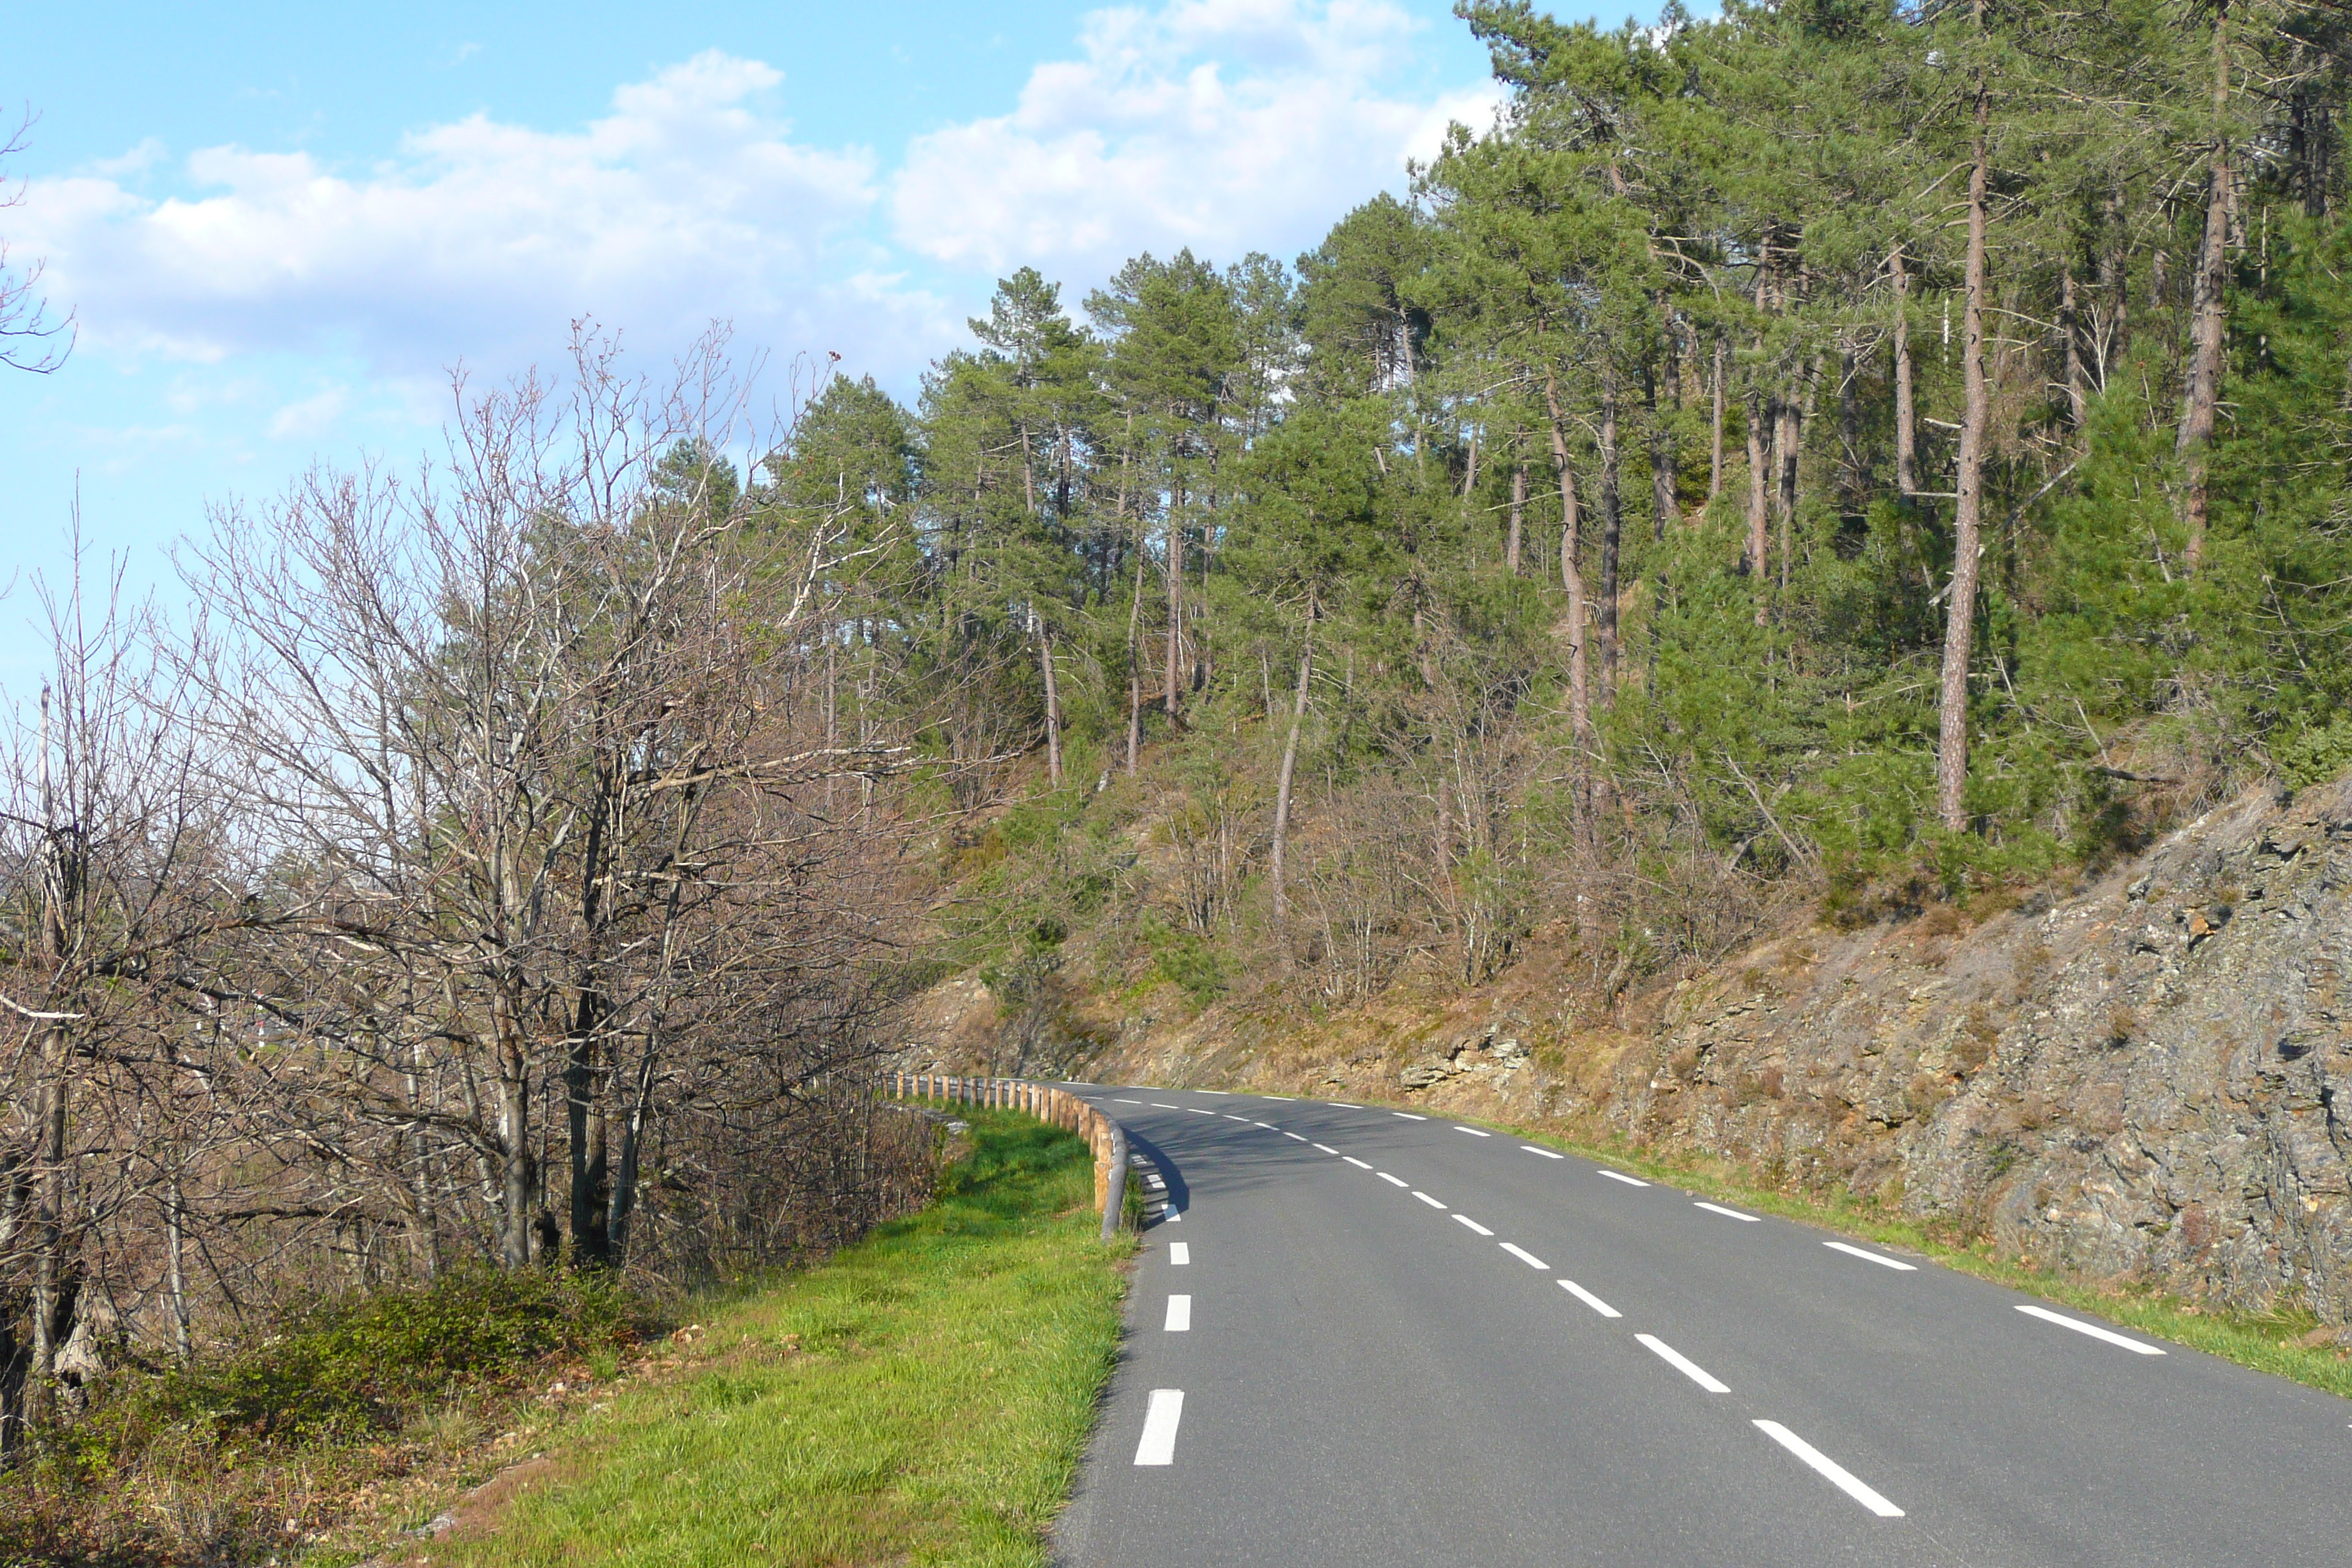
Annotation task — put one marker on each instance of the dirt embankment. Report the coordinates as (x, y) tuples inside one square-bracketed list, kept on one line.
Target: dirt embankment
[(2149, 1078)]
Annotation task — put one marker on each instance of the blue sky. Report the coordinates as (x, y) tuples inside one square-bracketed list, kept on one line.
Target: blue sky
[(281, 226)]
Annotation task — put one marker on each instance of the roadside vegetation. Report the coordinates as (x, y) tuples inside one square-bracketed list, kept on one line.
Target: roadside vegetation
[(921, 1397)]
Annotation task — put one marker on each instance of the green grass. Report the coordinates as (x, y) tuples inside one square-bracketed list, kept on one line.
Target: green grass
[(2263, 1343), (920, 1398)]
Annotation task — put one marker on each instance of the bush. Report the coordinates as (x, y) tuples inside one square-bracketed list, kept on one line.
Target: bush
[(346, 1367)]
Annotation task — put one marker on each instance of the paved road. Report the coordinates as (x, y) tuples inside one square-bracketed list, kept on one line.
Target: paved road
[(1367, 1339)]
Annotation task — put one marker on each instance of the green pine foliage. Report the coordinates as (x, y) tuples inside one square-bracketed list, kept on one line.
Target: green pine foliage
[(1667, 288)]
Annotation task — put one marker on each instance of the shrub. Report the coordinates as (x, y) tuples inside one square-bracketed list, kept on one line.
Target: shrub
[(345, 1367)]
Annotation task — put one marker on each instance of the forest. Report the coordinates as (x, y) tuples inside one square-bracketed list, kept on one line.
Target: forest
[(1832, 456)]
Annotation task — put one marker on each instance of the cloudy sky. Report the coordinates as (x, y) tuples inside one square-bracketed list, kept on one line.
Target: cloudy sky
[(280, 225)]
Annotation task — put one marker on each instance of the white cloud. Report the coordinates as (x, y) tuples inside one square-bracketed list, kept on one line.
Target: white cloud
[(1227, 125), (310, 417), (689, 201)]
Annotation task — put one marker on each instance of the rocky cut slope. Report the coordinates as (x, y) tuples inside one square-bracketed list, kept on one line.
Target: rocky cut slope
[(2151, 1079), (2147, 1079)]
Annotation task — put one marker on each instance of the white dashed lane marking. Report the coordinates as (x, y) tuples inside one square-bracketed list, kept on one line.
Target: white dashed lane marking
[(1179, 1254), (1350, 1158), (2097, 1333), (1295, 1137), (1613, 1175), (1547, 1153), (1392, 1180), (1869, 1256), (1159, 1422), (1408, 1115), (1424, 1197), (1524, 1256), (1684, 1364), (1839, 1475), (1590, 1299), (1475, 1132), (1473, 1224), (1180, 1314), (1728, 1214)]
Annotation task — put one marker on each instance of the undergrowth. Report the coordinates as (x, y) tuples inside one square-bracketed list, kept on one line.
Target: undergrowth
[(920, 1398)]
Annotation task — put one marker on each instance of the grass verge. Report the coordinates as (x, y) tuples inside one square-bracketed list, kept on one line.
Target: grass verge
[(2265, 1342), (920, 1398)]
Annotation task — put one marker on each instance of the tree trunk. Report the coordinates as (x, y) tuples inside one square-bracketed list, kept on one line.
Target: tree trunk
[(1960, 615), (1289, 767), (2208, 326), (1662, 504), (1907, 413), (1611, 522), (1053, 703), (2077, 391), (1715, 432), (1788, 445), (514, 1133), (1758, 551), (1518, 514), (1175, 602), (1135, 669), (52, 1284), (1572, 578), (592, 1190)]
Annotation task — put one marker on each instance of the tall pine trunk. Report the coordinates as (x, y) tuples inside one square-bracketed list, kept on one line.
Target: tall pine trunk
[(1572, 578), (1907, 412), (2208, 325), (1289, 769), (1960, 615), (1714, 429), (1519, 517), (1611, 527)]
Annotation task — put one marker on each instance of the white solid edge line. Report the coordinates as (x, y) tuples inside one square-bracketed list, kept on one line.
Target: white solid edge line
[(1325, 1147), (1179, 1254), (1684, 1364), (1590, 1299), (1839, 1475), (1408, 1115), (1474, 1132), (1869, 1256), (1180, 1315), (1392, 1180), (1352, 1160), (1424, 1197), (1159, 1421), (1473, 1224), (1728, 1214), (2097, 1333), (1295, 1137), (1621, 1176), (1524, 1256), (1343, 1105), (1547, 1153)]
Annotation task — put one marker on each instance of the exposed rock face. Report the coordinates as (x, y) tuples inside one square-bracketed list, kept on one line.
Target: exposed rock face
[(2151, 1079)]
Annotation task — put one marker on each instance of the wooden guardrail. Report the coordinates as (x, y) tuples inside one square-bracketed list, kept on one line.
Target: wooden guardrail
[(1104, 1135)]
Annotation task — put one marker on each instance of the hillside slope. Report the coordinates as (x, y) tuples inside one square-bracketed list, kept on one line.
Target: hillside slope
[(2149, 1078)]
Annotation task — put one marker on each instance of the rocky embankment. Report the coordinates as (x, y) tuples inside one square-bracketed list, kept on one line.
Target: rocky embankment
[(2147, 1079), (2151, 1079)]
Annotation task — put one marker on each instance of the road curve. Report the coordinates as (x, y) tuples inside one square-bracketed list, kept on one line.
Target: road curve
[(1386, 1340)]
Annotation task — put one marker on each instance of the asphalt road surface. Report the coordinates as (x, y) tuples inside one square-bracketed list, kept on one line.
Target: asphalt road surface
[(1365, 1339)]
